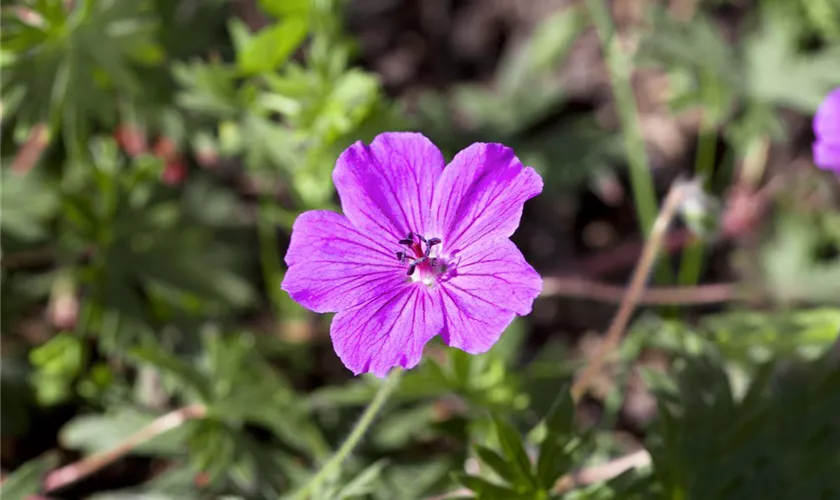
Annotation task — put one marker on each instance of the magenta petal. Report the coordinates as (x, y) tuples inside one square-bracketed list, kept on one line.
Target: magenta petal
[(386, 188), (827, 118), (827, 131), (827, 155), (480, 195), (387, 330), (493, 283), (333, 266), (499, 274), (471, 325)]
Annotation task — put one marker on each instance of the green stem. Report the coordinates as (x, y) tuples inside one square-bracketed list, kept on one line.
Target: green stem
[(269, 257), (355, 436), (691, 263), (619, 66)]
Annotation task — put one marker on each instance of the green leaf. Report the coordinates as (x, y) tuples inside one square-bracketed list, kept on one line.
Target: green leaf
[(417, 479), (364, 482), (271, 46), (174, 366), (240, 35), (551, 463), (28, 479), (547, 48), (561, 420), (145, 495), (497, 463), (26, 207), (209, 88), (15, 393), (399, 428), (759, 385), (69, 75), (282, 8), (486, 489), (780, 74), (514, 451)]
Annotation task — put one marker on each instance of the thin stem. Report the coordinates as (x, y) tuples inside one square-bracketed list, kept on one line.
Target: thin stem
[(355, 436), (667, 295), (691, 263), (269, 258), (618, 63), (634, 292), (30, 153), (71, 473), (602, 472)]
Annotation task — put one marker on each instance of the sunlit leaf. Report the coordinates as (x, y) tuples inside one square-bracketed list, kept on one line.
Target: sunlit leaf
[(270, 47), (28, 479)]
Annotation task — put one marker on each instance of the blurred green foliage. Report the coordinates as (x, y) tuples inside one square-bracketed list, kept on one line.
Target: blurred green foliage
[(154, 152)]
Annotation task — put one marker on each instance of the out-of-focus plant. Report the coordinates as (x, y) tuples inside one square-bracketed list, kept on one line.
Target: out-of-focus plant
[(243, 398), (288, 117), (777, 439), (740, 87), (126, 269), (517, 110), (58, 71)]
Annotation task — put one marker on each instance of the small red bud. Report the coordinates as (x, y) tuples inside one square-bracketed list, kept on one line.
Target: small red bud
[(131, 139), (174, 171)]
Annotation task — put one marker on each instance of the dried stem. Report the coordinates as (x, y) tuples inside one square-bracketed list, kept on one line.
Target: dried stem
[(604, 292), (582, 477), (635, 291), (602, 472), (32, 149), (755, 161), (71, 473)]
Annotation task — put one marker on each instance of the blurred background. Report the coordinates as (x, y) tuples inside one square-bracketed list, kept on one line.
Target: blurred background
[(155, 154)]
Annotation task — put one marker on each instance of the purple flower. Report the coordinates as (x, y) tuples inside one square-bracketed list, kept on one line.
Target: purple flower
[(421, 250), (827, 131)]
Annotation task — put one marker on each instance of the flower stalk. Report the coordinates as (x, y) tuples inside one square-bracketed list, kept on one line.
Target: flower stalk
[(356, 435)]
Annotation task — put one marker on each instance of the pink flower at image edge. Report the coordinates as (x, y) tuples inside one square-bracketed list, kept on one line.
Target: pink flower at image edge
[(421, 250), (827, 132)]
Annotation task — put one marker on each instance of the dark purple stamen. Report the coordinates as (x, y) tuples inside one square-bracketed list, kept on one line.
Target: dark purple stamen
[(429, 244), (415, 248), (414, 264)]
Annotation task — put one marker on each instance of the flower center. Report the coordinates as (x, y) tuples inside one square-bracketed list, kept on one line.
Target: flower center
[(420, 264)]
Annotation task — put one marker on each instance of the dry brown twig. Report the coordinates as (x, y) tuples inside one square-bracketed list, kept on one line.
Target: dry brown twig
[(557, 286), (582, 477), (635, 291), (602, 472), (32, 149), (71, 473)]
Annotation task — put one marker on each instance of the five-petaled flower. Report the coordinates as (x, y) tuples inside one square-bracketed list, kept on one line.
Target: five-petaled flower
[(420, 251), (827, 132)]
